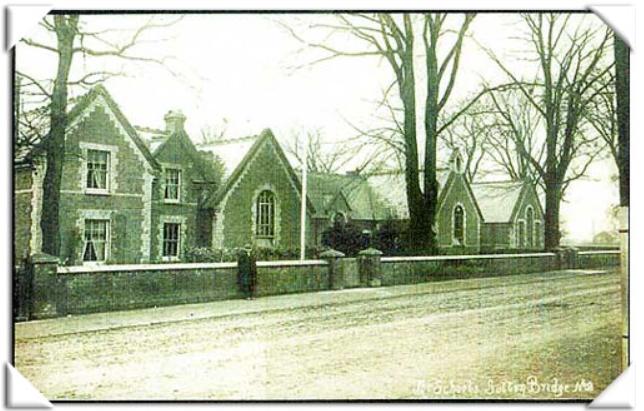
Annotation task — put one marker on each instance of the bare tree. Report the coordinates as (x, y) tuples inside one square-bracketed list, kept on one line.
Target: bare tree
[(214, 132), (391, 37), (72, 39), (319, 159), (515, 138), (602, 116), (470, 135), (570, 61)]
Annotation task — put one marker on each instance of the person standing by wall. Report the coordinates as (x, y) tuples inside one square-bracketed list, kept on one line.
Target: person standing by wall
[(247, 271)]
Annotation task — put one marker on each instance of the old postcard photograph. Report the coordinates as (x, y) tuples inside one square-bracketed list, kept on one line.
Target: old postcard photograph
[(315, 205)]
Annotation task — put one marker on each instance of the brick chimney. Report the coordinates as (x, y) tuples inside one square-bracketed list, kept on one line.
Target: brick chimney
[(174, 120)]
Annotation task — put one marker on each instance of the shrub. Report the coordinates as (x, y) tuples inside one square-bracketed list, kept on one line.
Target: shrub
[(345, 237)]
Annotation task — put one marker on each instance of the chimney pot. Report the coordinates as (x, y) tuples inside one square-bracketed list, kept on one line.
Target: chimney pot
[(174, 121)]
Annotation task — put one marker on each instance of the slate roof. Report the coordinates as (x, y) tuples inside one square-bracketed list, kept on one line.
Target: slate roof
[(497, 199), (231, 152), (153, 138), (323, 189), (391, 189), (235, 153)]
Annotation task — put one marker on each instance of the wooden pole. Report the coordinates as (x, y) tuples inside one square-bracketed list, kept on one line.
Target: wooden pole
[(303, 204)]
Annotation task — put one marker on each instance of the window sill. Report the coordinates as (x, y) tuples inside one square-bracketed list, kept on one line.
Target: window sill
[(97, 192), (168, 201), (94, 263), (170, 259)]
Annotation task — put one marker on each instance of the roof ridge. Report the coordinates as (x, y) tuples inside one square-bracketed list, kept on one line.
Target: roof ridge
[(497, 182), (228, 141), (150, 129)]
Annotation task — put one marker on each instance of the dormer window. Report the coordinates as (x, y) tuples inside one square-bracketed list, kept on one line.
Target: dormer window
[(172, 184)]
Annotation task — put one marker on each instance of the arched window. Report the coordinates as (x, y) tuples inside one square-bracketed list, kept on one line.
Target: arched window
[(265, 215), (459, 225), (339, 218), (529, 216)]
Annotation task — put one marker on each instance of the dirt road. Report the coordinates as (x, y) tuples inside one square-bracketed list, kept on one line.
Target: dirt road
[(551, 335)]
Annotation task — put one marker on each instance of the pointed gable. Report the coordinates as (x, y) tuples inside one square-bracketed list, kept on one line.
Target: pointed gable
[(498, 199), (236, 156), (99, 96)]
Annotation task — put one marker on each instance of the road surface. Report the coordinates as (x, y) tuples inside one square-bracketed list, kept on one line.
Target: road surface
[(552, 335)]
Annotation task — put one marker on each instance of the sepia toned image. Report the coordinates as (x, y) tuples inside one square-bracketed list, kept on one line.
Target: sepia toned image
[(320, 206)]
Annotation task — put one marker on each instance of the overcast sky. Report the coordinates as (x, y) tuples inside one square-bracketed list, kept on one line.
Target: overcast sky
[(240, 68)]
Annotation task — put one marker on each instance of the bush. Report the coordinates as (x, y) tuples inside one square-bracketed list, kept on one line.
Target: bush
[(390, 238), (209, 255), (345, 237)]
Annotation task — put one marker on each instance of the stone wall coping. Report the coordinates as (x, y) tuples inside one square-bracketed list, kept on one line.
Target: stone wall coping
[(462, 257), (108, 268), (77, 269), (595, 252), (291, 263)]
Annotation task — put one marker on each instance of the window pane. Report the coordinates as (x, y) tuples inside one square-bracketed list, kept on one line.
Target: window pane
[(265, 209), (458, 224), (171, 240), (95, 247), (97, 168), (172, 183)]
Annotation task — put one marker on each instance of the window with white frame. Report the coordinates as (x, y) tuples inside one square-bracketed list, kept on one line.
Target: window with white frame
[(172, 184), (537, 233), (459, 225), (95, 246), (171, 239), (98, 165), (265, 215)]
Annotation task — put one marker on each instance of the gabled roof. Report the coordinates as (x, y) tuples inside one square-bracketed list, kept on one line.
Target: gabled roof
[(391, 188), (497, 200), (100, 91), (324, 188), (153, 138), (81, 103), (236, 154), (231, 152), (205, 168)]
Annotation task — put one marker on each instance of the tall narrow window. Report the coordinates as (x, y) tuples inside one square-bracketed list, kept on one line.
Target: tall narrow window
[(95, 241), (265, 215), (97, 169), (529, 216), (171, 239), (537, 234), (459, 225), (172, 184), (521, 234)]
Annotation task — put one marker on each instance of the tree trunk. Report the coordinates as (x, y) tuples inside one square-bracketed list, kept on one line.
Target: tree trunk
[(431, 121), (419, 223), (552, 234), (49, 223), (622, 91)]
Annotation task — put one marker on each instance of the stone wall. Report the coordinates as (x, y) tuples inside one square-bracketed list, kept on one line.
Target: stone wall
[(598, 259), (119, 287), (83, 289), (410, 270)]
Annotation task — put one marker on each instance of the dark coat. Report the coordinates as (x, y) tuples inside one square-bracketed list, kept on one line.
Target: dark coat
[(247, 270)]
